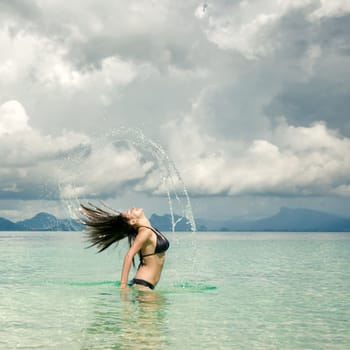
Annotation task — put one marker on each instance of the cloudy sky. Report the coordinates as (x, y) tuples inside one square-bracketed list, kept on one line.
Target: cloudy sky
[(243, 104)]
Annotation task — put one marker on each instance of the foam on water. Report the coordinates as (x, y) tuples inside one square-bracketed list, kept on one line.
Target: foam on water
[(194, 287), (90, 283)]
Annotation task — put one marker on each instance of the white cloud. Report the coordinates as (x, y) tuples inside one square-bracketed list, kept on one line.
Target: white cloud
[(251, 38), (27, 156), (201, 10), (305, 139), (47, 62), (243, 27), (254, 29), (294, 161), (13, 118), (55, 71), (342, 190), (21, 144), (8, 71), (331, 8), (14, 64)]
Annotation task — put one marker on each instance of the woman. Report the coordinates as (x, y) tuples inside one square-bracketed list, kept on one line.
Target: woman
[(105, 228)]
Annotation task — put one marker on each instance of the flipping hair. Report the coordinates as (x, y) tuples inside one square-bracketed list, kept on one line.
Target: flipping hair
[(105, 227)]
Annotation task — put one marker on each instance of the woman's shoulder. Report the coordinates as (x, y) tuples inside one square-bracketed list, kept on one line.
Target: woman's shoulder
[(145, 231)]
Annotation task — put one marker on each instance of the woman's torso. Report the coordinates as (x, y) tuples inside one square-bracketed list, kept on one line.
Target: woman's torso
[(152, 257)]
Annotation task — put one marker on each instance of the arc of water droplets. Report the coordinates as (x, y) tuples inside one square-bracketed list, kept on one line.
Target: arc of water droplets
[(136, 138), (168, 168)]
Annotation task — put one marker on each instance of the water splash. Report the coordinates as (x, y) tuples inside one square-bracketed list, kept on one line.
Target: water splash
[(171, 183), (171, 178)]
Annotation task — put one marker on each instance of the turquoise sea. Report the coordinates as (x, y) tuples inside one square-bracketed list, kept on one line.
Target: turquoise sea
[(218, 291)]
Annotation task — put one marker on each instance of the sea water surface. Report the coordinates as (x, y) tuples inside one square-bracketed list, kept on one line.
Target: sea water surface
[(218, 291)]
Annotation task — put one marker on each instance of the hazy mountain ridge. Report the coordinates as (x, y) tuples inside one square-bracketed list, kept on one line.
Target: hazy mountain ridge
[(290, 220), (41, 222)]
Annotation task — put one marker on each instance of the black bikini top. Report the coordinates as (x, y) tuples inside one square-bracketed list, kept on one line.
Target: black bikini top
[(162, 243)]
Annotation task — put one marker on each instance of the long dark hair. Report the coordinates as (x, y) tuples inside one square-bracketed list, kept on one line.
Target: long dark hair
[(103, 228)]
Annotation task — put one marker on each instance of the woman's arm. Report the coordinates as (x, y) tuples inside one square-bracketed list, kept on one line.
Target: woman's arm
[(142, 236)]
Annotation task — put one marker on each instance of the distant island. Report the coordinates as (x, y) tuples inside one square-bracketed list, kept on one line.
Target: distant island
[(286, 220)]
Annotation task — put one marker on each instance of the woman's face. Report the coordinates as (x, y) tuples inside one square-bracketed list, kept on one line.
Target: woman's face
[(133, 214)]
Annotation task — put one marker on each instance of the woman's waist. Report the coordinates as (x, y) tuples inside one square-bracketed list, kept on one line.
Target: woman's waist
[(149, 276), (153, 262)]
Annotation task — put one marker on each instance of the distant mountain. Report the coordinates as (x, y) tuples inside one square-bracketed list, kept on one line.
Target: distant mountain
[(7, 225), (302, 220), (164, 222), (286, 220), (40, 222), (48, 222), (289, 220)]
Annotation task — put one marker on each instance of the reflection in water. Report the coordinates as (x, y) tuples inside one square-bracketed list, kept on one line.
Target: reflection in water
[(135, 320)]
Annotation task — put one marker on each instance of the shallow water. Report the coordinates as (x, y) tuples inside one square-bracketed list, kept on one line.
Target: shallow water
[(218, 290)]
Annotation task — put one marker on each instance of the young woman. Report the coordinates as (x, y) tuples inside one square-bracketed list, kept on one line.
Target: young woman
[(105, 228)]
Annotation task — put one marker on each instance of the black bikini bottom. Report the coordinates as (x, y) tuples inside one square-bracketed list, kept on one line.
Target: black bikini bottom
[(141, 282)]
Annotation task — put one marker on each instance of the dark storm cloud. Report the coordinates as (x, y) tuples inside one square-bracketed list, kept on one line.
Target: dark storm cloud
[(333, 34), (323, 93), (303, 104)]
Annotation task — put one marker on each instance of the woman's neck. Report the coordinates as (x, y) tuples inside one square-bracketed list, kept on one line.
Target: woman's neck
[(143, 222)]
